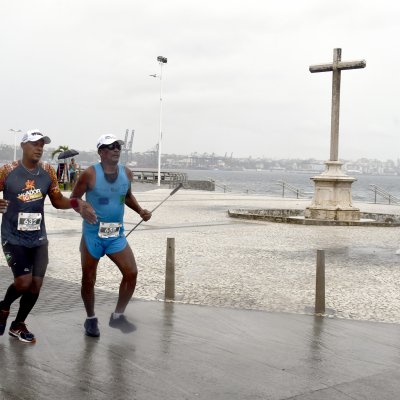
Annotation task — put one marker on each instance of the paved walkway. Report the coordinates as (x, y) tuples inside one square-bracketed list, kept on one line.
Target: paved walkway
[(246, 264), (224, 343), (196, 352)]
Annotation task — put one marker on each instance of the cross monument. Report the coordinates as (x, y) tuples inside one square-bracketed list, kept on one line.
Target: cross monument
[(332, 197)]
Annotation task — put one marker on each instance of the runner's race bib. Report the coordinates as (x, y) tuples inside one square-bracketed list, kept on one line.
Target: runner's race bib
[(29, 221), (109, 229)]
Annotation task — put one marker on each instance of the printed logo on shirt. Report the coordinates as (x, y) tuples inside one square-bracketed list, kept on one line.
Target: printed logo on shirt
[(29, 185), (30, 193)]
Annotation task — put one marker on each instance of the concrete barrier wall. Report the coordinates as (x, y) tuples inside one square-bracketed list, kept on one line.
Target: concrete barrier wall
[(199, 185)]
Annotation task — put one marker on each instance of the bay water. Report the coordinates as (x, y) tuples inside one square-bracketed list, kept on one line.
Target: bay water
[(266, 182)]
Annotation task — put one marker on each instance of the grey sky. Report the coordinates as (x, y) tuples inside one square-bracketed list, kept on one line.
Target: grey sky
[(237, 78)]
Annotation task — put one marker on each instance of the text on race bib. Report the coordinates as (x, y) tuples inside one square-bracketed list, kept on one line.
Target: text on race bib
[(109, 229), (29, 221)]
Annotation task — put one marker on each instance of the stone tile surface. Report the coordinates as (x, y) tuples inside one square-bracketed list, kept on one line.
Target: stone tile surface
[(245, 264)]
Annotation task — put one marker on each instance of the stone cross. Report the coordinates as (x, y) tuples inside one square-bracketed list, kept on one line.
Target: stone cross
[(337, 66)]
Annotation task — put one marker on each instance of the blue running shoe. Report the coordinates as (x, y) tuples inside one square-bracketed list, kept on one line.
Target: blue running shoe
[(91, 327), (122, 324)]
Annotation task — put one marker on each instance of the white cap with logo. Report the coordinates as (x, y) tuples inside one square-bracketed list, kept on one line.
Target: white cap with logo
[(108, 139), (33, 136)]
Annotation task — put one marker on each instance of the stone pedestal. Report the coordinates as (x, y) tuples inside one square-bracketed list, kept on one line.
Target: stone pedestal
[(332, 196)]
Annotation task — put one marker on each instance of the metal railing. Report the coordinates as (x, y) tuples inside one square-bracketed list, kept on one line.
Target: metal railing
[(223, 187), (383, 193), (287, 186)]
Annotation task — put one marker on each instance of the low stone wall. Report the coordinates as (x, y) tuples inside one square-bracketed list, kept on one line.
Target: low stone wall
[(385, 218), (293, 216)]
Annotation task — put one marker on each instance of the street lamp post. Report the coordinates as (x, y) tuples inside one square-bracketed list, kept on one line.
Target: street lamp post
[(161, 60), (15, 141)]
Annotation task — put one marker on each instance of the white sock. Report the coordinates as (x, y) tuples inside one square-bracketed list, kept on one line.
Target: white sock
[(91, 317), (117, 315)]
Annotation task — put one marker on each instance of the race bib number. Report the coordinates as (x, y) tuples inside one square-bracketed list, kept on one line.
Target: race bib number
[(29, 221), (109, 229)]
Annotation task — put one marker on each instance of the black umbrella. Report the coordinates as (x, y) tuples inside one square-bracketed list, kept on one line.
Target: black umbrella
[(67, 154)]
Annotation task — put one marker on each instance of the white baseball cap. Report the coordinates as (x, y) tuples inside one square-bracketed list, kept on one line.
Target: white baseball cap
[(108, 139), (34, 135)]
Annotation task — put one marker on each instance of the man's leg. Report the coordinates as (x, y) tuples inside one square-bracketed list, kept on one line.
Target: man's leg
[(89, 270), (125, 261), (29, 299), (19, 258), (11, 295), (30, 284)]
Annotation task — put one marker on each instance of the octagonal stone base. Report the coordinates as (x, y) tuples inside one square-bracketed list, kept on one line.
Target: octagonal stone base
[(332, 196)]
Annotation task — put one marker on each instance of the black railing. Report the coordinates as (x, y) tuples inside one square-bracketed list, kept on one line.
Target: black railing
[(288, 187), (383, 193)]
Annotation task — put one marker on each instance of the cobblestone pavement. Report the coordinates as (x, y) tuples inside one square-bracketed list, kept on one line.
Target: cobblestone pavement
[(244, 264)]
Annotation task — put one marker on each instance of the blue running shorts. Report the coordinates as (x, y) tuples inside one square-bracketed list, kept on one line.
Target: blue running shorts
[(98, 247)]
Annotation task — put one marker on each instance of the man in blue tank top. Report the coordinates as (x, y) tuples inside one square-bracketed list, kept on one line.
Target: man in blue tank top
[(107, 186), (25, 184)]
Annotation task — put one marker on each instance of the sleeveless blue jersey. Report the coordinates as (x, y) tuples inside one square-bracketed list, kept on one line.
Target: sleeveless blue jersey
[(107, 199)]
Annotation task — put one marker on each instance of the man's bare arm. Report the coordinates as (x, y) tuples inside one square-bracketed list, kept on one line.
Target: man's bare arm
[(131, 202), (80, 206)]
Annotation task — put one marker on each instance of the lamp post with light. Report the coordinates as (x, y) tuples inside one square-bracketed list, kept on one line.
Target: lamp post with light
[(161, 60), (15, 141)]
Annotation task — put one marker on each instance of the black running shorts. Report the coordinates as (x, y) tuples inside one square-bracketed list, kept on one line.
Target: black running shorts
[(27, 260)]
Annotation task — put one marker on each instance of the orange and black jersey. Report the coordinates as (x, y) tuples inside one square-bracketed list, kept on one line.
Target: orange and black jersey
[(23, 223)]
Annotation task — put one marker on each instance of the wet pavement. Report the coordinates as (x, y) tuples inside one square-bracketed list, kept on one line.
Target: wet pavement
[(255, 265), (243, 328), (183, 351)]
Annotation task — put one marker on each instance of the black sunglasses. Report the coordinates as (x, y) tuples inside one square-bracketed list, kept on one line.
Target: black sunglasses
[(111, 146)]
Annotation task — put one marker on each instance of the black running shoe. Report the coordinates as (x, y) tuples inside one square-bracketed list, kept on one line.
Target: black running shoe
[(91, 327), (122, 324), (3, 320), (20, 332)]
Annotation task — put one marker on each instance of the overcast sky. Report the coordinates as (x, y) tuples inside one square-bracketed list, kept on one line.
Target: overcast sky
[(237, 78)]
